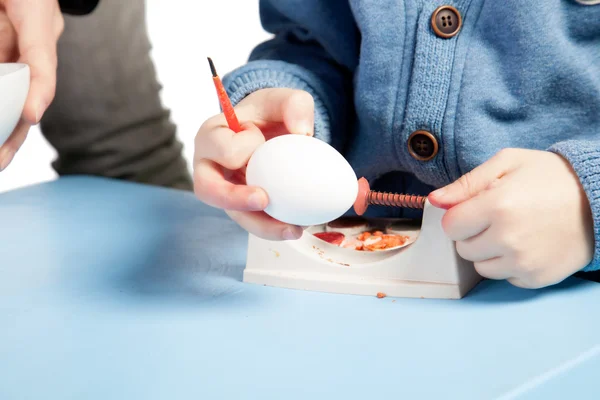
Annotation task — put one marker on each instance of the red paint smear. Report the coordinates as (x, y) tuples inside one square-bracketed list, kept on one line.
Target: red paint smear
[(331, 237)]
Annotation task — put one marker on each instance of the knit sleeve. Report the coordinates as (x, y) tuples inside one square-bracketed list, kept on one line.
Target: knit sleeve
[(78, 7), (315, 48), (584, 157)]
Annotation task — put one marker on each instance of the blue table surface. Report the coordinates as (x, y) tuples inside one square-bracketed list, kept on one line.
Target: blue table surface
[(111, 290)]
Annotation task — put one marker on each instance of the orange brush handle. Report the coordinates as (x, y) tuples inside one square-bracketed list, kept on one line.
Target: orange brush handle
[(230, 116)]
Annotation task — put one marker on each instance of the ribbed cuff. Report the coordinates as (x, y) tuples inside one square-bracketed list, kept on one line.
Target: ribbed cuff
[(258, 75), (584, 157)]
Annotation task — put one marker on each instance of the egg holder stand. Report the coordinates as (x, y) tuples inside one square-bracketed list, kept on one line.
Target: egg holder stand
[(429, 267)]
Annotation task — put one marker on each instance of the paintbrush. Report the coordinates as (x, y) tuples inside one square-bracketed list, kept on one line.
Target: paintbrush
[(230, 116)]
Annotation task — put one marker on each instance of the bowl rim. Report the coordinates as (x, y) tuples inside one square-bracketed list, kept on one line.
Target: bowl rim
[(7, 69)]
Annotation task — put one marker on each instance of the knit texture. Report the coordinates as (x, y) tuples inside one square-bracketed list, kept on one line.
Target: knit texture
[(519, 74)]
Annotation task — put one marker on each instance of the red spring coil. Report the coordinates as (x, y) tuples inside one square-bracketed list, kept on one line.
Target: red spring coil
[(396, 200)]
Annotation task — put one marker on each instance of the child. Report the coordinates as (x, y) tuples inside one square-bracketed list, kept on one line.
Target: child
[(495, 102)]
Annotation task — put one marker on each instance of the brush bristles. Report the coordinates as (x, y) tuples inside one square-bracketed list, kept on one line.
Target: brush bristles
[(212, 67)]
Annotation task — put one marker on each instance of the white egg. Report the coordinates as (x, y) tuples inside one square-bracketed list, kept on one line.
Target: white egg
[(308, 182)]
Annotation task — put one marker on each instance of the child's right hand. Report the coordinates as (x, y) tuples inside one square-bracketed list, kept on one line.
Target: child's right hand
[(221, 156)]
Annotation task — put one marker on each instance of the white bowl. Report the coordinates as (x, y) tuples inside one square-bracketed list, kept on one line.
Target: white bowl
[(347, 256), (14, 87)]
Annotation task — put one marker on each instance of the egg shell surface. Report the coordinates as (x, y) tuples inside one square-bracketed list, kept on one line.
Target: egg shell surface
[(308, 182)]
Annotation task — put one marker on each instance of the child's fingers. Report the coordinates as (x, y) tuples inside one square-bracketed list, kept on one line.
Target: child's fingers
[(295, 108), (470, 218), (265, 227), (537, 282), (477, 180), (227, 148), (518, 283), (480, 247), (211, 188), (298, 111), (494, 268), (216, 146), (244, 112)]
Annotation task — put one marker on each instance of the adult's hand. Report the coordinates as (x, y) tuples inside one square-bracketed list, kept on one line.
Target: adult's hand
[(29, 31)]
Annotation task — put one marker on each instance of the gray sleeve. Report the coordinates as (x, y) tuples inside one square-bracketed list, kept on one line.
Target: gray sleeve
[(107, 118)]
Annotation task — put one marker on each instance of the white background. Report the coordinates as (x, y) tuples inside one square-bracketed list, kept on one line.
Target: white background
[(183, 34)]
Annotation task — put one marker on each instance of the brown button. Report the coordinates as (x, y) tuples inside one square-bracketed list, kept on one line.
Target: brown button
[(446, 21), (422, 145)]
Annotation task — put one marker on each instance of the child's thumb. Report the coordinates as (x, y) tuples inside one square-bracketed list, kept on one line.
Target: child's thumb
[(471, 183), (298, 112)]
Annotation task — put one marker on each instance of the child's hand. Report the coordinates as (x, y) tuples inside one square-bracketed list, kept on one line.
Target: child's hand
[(521, 216), (221, 156)]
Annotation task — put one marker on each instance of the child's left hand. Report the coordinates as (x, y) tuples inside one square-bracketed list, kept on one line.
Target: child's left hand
[(521, 216)]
